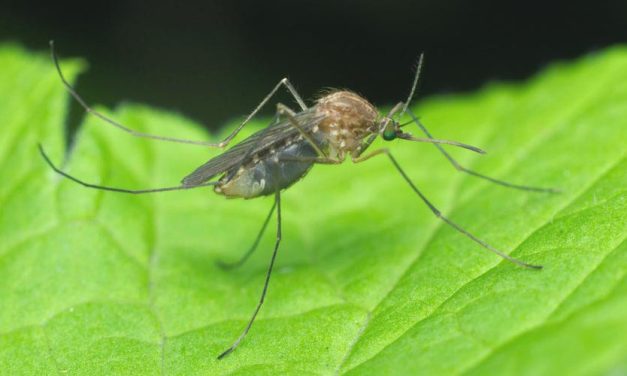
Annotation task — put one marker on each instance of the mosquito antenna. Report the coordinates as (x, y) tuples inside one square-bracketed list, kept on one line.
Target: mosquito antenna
[(108, 120), (414, 84), (113, 189), (409, 137)]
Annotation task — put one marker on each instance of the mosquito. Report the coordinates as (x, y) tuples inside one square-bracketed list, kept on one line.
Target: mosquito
[(339, 124)]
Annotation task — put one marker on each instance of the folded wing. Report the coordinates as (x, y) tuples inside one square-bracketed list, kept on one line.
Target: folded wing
[(275, 133)]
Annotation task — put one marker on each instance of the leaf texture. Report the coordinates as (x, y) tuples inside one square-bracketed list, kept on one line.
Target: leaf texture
[(368, 281)]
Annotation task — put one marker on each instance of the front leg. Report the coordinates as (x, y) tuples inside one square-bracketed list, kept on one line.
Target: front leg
[(437, 212), (468, 171)]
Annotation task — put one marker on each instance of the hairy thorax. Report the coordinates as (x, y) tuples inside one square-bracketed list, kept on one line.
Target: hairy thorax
[(348, 118)]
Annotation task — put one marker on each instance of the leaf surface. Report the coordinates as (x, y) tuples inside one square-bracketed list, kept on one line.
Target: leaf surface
[(368, 281)]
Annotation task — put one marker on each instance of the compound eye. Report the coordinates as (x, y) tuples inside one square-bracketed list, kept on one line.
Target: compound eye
[(389, 134)]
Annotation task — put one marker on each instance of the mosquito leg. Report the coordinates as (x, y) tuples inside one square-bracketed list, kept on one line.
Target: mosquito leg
[(294, 93), (284, 82), (113, 189), (232, 265), (437, 213), (277, 200), (319, 160), (283, 110), (366, 144), (474, 173)]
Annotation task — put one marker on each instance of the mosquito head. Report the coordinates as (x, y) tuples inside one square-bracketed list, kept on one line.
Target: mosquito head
[(390, 129)]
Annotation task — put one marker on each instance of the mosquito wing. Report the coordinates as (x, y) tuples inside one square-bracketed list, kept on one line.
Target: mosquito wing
[(275, 133)]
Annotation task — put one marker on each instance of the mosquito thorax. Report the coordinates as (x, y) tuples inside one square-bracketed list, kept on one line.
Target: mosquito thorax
[(348, 118)]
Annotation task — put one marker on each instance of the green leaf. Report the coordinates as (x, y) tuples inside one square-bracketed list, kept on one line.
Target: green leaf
[(368, 281)]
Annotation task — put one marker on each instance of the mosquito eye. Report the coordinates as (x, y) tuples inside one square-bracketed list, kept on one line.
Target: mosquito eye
[(389, 134)]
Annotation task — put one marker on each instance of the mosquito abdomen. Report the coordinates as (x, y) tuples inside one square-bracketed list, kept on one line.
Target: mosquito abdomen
[(277, 170)]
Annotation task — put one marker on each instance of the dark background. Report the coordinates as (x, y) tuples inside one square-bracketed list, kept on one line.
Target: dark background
[(214, 60)]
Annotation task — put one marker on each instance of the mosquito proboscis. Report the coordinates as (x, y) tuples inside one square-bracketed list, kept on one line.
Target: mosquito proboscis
[(339, 124)]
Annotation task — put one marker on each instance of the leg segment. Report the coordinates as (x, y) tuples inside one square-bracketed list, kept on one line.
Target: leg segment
[(471, 172), (113, 189), (438, 214), (284, 82), (283, 110), (319, 160), (231, 265), (267, 280)]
